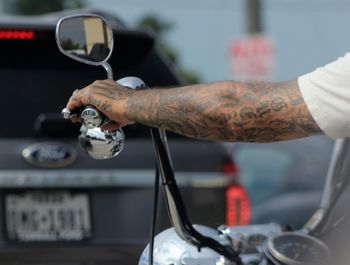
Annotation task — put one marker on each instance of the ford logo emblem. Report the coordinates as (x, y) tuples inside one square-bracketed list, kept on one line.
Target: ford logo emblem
[(49, 155)]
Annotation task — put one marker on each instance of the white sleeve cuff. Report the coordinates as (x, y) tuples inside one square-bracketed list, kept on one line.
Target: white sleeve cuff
[(326, 92)]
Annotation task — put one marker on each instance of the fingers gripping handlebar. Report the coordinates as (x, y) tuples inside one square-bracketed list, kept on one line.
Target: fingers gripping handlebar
[(91, 117)]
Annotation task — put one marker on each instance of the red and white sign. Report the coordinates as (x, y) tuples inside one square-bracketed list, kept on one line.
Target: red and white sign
[(252, 58)]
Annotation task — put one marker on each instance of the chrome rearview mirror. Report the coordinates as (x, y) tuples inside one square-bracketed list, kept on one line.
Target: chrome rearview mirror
[(85, 38), (88, 38)]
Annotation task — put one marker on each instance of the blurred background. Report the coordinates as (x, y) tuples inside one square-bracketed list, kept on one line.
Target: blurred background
[(211, 40), (203, 41)]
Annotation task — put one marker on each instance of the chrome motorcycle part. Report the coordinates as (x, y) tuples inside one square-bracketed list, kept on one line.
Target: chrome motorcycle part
[(131, 82), (92, 118), (245, 239), (170, 249), (337, 181), (66, 114), (101, 144), (296, 249), (175, 205), (86, 38), (89, 39)]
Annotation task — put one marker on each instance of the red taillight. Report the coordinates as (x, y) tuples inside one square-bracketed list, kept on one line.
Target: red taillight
[(16, 34), (230, 169), (237, 200), (237, 206)]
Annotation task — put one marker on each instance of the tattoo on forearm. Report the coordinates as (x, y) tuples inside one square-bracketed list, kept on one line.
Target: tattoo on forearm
[(278, 103), (262, 110), (225, 111), (256, 112)]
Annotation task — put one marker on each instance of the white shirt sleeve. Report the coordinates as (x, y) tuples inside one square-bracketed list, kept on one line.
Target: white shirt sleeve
[(326, 92)]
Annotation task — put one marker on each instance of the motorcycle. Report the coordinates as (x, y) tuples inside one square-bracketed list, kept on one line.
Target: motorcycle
[(88, 38)]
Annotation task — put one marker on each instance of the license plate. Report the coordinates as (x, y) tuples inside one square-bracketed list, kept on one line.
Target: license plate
[(47, 216)]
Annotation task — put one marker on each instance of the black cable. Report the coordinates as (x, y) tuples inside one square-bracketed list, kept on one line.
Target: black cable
[(154, 216)]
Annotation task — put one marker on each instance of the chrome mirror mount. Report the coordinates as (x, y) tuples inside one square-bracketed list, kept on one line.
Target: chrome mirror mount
[(88, 38)]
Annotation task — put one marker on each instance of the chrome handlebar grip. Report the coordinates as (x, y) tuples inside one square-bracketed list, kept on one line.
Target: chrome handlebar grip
[(97, 143), (92, 118)]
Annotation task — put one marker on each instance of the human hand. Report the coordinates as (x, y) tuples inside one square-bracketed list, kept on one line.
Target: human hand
[(108, 97)]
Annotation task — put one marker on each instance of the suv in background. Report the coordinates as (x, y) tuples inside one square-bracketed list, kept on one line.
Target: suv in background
[(58, 205)]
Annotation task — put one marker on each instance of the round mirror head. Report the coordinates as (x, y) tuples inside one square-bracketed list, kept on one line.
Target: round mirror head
[(85, 38), (101, 144)]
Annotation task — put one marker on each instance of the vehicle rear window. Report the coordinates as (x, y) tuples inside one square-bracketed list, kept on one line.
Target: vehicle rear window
[(36, 81)]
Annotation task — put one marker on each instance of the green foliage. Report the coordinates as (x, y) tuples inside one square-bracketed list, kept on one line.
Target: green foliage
[(191, 77), (161, 27), (35, 7), (168, 51)]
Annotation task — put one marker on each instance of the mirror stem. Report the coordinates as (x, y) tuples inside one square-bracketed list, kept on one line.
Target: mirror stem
[(109, 70)]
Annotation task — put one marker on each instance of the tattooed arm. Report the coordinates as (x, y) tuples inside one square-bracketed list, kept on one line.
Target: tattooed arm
[(224, 111)]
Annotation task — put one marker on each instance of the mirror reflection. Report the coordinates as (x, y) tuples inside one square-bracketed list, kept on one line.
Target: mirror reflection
[(88, 38)]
